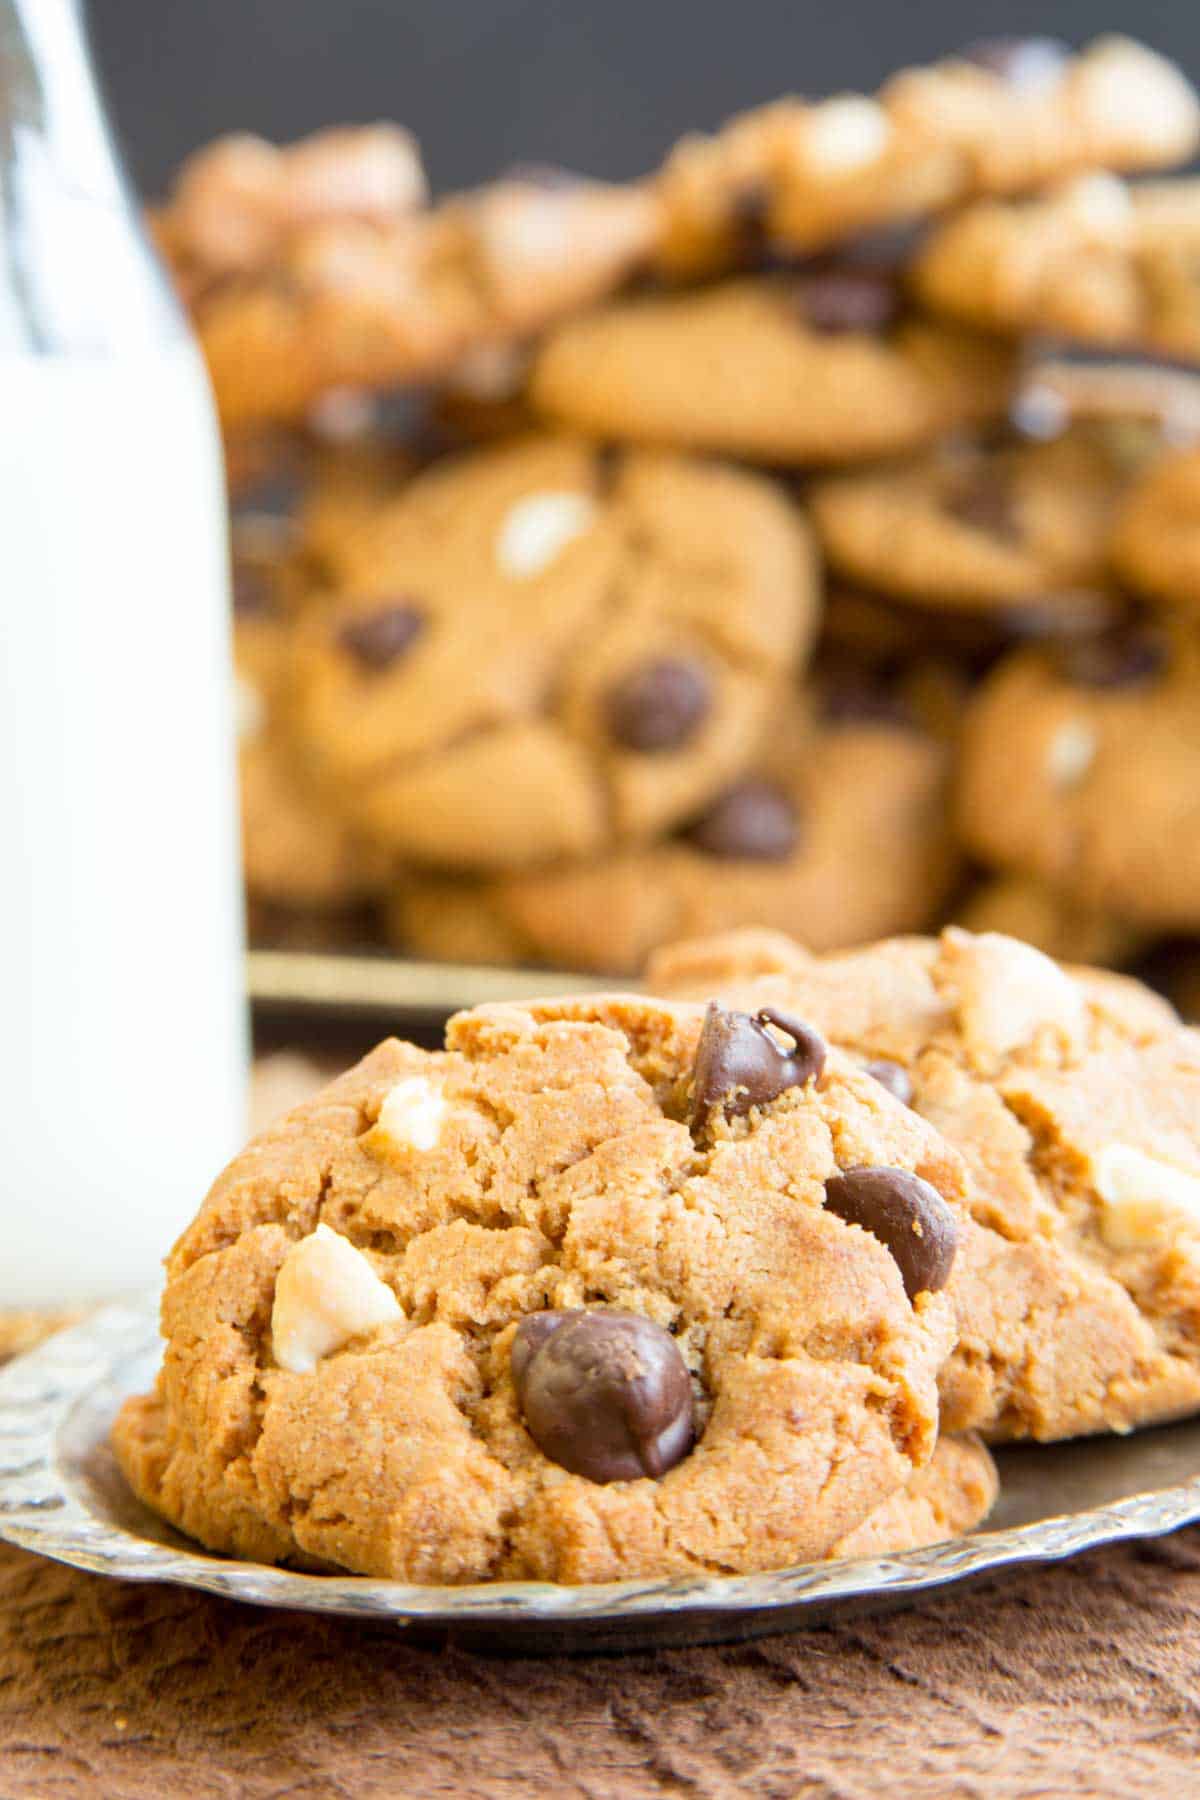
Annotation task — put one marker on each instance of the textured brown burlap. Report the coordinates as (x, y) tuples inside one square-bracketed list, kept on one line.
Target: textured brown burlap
[(1076, 1680)]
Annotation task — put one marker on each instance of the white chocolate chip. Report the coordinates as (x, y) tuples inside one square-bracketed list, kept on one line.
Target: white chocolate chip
[(1103, 204), (411, 1115), (249, 710), (846, 133), (1143, 1198), (326, 1293), (535, 530), (1007, 992), (1071, 752)]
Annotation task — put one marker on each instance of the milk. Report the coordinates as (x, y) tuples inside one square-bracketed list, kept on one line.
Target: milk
[(122, 1023)]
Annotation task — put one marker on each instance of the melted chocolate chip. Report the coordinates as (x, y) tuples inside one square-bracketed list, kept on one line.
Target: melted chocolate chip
[(894, 1077), (754, 819), (603, 1393), (740, 1063), (748, 220), (378, 639), (1127, 656), (660, 706), (835, 300), (253, 593), (1026, 63), (986, 502), (907, 1215)]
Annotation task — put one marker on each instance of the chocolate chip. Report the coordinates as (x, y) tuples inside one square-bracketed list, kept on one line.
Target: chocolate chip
[(748, 221), (253, 593), (531, 1334), (660, 706), (852, 693), (1127, 656), (379, 639), (740, 1063), (838, 300), (603, 1393), (907, 1215), (1026, 63), (754, 819), (894, 1077), (985, 501)]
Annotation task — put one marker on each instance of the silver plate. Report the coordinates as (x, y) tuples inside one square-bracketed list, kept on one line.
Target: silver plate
[(62, 1495)]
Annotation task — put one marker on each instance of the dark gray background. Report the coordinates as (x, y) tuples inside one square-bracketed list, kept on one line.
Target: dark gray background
[(599, 85)]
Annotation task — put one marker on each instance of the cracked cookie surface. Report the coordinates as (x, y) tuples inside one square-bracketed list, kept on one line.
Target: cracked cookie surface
[(544, 1161), (840, 828), (819, 368), (1081, 766), (540, 650), (1073, 1098)]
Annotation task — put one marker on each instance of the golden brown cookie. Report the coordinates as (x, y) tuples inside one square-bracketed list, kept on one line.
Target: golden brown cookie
[(352, 302), (982, 530), (234, 205), (1081, 768), (608, 1288), (1097, 261), (1019, 906), (1156, 539), (821, 367), (542, 649), (841, 831), (1074, 1098), (1002, 116)]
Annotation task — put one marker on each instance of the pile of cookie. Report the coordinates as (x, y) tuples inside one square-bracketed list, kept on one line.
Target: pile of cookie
[(805, 536), (740, 1276)]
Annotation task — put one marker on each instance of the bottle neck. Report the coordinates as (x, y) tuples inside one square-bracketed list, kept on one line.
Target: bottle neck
[(76, 273)]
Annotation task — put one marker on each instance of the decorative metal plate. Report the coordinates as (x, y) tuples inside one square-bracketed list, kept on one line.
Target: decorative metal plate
[(62, 1495)]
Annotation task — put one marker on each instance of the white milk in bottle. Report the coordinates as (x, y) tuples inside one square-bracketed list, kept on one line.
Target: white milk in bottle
[(122, 1020)]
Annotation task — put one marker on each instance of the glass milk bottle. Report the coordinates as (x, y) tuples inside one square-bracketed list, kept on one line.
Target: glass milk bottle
[(122, 1019)]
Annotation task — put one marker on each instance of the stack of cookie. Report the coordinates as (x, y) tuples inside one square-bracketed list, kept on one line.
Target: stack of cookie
[(621, 1287), (735, 547)]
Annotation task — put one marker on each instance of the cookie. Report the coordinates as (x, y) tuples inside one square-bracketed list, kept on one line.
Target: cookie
[(1074, 1099), (841, 832), (542, 649), (816, 368), (1156, 538), (235, 204), (982, 530), (351, 302), (607, 1289), (1081, 768), (1002, 116), (296, 851), (1019, 907), (1097, 262)]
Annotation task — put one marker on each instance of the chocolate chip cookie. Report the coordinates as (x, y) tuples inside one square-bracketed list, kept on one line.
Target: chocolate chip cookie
[(841, 831), (1019, 906), (1156, 540), (822, 366), (981, 530), (1074, 1098), (542, 649), (1081, 768), (609, 1288), (353, 301), (1097, 262), (1001, 116)]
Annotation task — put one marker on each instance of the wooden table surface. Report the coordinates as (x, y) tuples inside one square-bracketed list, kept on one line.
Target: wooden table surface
[(1078, 1679)]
